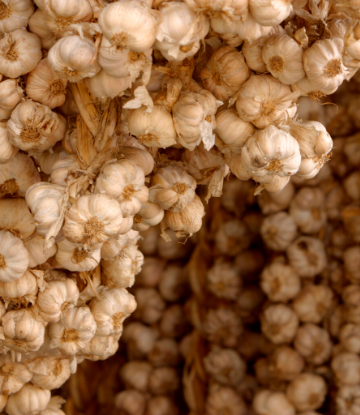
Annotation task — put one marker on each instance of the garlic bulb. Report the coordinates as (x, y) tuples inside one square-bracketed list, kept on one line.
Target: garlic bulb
[(234, 10), (180, 31), (25, 286), (75, 328), (263, 100), (56, 297), (269, 13), (279, 323), (13, 376), (112, 247), (323, 65), (10, 96), (282, 56), (313, 342), (45, 86), (14, 14), (232, 130), (74, 257), (16, 218), (47, 159), (37, 253), (20, 52), (103, 85), (138, 156), (225, 72), (7, 150), (151, 214), (153, 129), (285, 363), (29, 400), (347, 399), (278, 231), (81, 10), (72, 58), (271, 151), (92, 219), (131, 401), (194, 118), (14, 258), (115, 306), (271, 402), (64, 169), (129, 25), (49, 372), (22, 331), (223, 280), (223, 399), (46, 28), (35, 127)]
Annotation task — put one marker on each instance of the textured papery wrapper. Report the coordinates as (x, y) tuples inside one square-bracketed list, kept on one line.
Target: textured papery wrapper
[(216, 184), (207, 135), (142, 97)]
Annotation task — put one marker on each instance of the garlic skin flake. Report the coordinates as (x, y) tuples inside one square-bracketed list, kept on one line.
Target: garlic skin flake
[(14, 258), (30, 400), (10, 95), (14, 14), (129, 25), (20, 52)]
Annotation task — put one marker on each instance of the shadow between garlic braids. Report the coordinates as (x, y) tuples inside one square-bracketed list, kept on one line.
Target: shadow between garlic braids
[(111, 115)]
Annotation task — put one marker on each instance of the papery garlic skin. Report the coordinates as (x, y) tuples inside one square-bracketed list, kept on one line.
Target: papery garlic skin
[(103, 85), (153, 129), (180, 31), (93, 219), (282, 56), (15, 15), (14, 258), (10, 96), (34, 127), (130, 25), (45, 86), (234, 10), (263, 100), (20, 51), (139, 156), (81, 10), (48, 372), (74, 257), (115, 306), (29, 400), (72, 58), (75, 328), (269, 13)]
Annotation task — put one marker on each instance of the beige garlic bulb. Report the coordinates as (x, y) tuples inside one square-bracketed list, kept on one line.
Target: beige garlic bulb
[(20, 52), (278, 231), (307, 391), (153, 129), (346, 368), (234, 10), (313, 303), (271, 402), (55, 298), (223, 399), (279, 323), (151, 214), (46, 28), (26, 286), (323, 64), (349, 337), (34, 127), (124, 181), (139, 156), (232, 130), (285, 363), (10, 95), (47, 159), (271, 151), (280, 282), (194, 118), (282, 56), (269, 13), (109, 312), (131, 401), (172, 188), (100, 348), (72, 58), (49, 372), (233, 237), (120, 271), (13, 376), (188, 221), (225, 72), (347, 399), (75, 328), (139, 338), (307, 256), (14, 258), (112, 247), (313, 343), (38, 255), (16, 218), (15, 14), (92, 219), (29, 400), (65, 169), (180, 31), (74, 257), (275, 202), (103, 85), (263, 100), (223, 280), (129, 25), (45, 86), (81, 10), (7, 150), (23, 331)]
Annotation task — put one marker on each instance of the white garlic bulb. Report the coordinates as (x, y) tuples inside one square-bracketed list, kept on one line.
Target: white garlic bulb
[(153, 129), (49, 372), (109, 312), (23, 331), (14, 258), (15, 14), (7, 150), (283, 58), (103, 85), (271, 151), (112, 247), (64, 169), (269, 13), (45, 86), (46, 28), (80, 10), (74, 257), (139, 156), (72, 58), (100, 348), (16, 218), (10, 95), (47, 159), (34, 127), (180, 31), (29, 400), (151, 214), (55, 298), (13, 376), (278, 231), (25, 286), (129, 25), (225, 72), (263, 100), (75, 328), (20, 52), (279, 323), (234, 10), (93, 219)]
